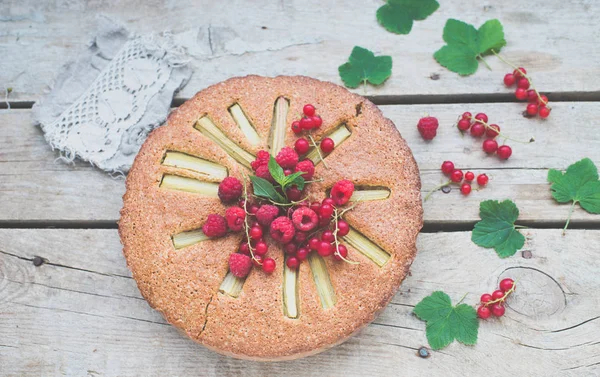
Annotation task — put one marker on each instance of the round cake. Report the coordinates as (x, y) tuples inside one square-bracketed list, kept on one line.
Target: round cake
[(173, 186)]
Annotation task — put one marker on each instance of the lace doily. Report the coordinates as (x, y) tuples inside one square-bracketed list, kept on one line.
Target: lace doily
[(131, 95)]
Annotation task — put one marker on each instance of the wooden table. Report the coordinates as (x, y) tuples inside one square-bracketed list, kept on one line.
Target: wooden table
[(79, 313)]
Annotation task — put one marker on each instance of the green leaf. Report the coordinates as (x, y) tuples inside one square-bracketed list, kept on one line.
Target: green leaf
[(265, 189), (497, 227), (276, 171), (363, 66), (464, 44), (445, 322), (294, 179), (579, 184), (397, 15)]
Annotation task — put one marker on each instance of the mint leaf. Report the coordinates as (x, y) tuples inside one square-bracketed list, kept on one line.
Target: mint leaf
[(497, 227), (363, 66), (579, 184), (465, 44), (265, 189), (397, 16), (276, 171), (445, 322), (294, 179)]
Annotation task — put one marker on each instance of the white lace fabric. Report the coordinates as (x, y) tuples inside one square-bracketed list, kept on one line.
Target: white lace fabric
[(130, 86)]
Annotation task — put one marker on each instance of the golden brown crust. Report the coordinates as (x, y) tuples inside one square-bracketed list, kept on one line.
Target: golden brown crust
[(183, 284)]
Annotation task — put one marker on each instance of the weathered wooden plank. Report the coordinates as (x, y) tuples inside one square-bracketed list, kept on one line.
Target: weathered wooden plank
[(309, 38), (81, 314), (35, 187)]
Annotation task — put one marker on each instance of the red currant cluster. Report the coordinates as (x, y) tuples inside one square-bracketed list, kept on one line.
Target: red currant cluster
[(538, 103), (493, 304), (457, 176), (478, 126), (308, 121)]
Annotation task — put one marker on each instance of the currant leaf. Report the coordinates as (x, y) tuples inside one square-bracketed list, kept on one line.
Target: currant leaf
[(497, 228), (363, 66), (465, 44), (446, 323), (397, 16), (579, 184)]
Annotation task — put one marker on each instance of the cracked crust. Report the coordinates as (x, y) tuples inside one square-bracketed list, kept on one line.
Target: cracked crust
[(183, 284)]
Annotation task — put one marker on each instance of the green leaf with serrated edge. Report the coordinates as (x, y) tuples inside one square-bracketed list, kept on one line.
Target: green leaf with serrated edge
[(294, 179), (276, 171), (364, 66), (497, 228), (579, 184), (464, 44), (265, 189), (397, 15), (446, 323)]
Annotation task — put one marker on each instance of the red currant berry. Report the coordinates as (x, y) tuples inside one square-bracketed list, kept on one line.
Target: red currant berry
[(542, 100), (484, 312), (317, 121), (306, 123), (242, 203), (521, 94), (290, 249), (256, 232), (490, 146), (292, 263), (257, 261), (327, 236), (315, 206), (509, 79), (519, 72), (341, 253), (532, 109), (447, 167), (506, 284), (456, 176), (296, 127), (482, 179), (287, 172), (469, 176), (268, 265), (326, 211), (325, 249), (300, 236), (523, 83), (544, 112), (253, 209), (343, 228), (308, 110), (244, 248), (498, 309), (328, 201), (464, 124), (486, 297), (294, 194), (327, 145), (314, 243), (497, 295), (477, 130), (467, 115), (261, 248), (482, 117), (492, 131), (302, 253), (504, 152), (301, 146), (465, 188), (532, 96)]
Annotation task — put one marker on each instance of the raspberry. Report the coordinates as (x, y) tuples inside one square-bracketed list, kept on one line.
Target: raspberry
[(262, 158), (307, 167), (263, 172), (305, 219), (287, 158), (235, 218), (266, 214), (215, 226), (342, 191), (282, 230), (427, 127), (240, 265), (230, 190)]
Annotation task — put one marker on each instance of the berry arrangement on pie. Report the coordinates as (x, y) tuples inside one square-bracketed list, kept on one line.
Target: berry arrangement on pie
[(272, 218)]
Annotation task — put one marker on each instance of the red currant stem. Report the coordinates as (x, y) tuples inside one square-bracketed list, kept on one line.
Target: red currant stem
[(351, 207), (524, 75), (246, 225), (521, 226), (314, 143), (484, 62), (315, 180), (337, 242), (436, 189), (281, 204), (487, 126), (569, 218), (461, 300), (503, 298)]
